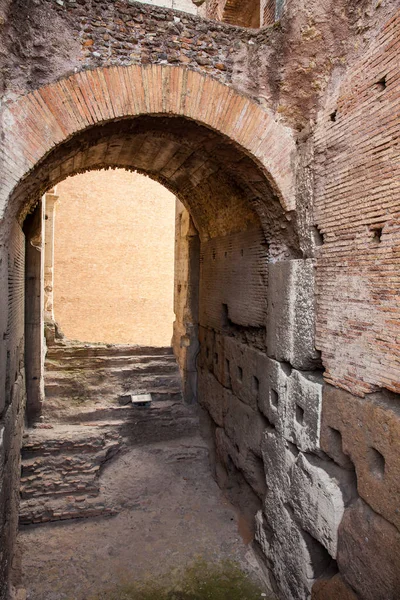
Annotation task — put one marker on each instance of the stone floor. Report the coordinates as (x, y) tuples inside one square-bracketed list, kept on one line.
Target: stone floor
[(171, 512)]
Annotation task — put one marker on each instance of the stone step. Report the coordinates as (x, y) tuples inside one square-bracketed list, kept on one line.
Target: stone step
[(59, 410), (91, 389), (140, 363), (61, 351), (84, 425), (62, 462), (73, 506)]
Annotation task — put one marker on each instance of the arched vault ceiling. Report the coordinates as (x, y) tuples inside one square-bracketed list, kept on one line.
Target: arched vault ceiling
[(220, 185)]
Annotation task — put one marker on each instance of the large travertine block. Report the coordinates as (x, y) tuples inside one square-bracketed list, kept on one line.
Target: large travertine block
[(334, 588), (220, 365), (290, 317), (256, 379), (213, 397), (279, 457), (369, 553), (319, 493), (273, 393), (368, 431), (303, 410), (246, 461), (207, 348), (244, 426), (244, 365), (295, 558)]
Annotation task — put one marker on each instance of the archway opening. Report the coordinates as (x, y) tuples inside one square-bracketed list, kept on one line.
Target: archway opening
[(228, 229), (113, 265), (235, 357)]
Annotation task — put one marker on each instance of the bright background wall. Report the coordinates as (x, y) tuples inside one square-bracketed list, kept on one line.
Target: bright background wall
[(114, 258)]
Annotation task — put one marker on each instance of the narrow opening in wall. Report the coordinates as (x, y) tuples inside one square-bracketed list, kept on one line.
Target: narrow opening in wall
[(286, 368), (377, 234), (376, 462), (299, 414), (336, 439), (216, 358), (317, 236), (274, 398), (333, 115), (381, 84), (336, 449), (113, 282), (321, 560), (240, 373)]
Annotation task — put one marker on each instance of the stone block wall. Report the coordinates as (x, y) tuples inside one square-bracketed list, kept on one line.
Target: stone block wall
[(233, 279), (263, 393)]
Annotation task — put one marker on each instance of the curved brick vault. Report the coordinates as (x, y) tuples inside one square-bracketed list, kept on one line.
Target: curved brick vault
[(40, 121)]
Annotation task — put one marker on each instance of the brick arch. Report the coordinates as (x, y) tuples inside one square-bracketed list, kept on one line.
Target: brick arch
[(38, 122)]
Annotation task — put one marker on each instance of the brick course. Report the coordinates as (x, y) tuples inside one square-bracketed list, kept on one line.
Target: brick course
[(357, 210)]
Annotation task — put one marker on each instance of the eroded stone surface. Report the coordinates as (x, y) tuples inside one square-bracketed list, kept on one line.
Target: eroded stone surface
[(319, 493), (302, 410), (334, 588), (290, 322), (369, 553), (370, 435)]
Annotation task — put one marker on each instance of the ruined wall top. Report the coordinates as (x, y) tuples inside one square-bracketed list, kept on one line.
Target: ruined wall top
[(286, 66)]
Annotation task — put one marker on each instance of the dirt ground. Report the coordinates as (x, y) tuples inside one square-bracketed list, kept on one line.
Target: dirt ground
[(171, 513)]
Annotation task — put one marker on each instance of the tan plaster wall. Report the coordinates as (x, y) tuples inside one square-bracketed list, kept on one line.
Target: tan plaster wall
[(114, 258)]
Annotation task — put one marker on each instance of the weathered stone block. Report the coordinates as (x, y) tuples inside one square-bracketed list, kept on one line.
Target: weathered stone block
[(279, 457), (369, 553), (221, 364), (369, 432), (273, 392), (303, 410), (332, 589), (295, 558), (244, 364), (244, 426), (213, 397), (319, 493), (207, 348), (250, 465), (290, 317)]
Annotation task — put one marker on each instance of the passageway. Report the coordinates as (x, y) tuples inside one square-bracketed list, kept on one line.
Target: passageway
[(122, 493), (97, 470), (243, 335)]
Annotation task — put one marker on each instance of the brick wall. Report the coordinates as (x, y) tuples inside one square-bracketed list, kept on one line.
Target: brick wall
[(268, 11), (357, 211), (114, 253)]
